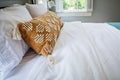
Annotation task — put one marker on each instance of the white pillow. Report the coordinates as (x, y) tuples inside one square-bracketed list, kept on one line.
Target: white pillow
[(11, 54), (16, 5), (36, 9), (10, 17), (11, 51)]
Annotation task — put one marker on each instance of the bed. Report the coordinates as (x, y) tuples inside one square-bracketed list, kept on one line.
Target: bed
[(83, 51)]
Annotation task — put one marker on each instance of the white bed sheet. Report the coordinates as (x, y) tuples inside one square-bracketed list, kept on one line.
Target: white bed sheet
[(84, 51)]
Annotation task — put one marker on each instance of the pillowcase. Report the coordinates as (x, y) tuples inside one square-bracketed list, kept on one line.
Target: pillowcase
[(36, 9), (9, 18), (15, 5), (11, 51), (41, 33), (11, 54)]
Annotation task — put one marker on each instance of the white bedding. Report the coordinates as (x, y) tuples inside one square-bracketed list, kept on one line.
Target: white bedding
[(84, 51), (11, 53)]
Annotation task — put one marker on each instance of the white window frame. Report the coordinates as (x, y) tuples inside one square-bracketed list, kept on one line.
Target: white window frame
[(86, 12)]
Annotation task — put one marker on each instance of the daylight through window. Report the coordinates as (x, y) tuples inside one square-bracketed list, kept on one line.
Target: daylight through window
[(74, 5)]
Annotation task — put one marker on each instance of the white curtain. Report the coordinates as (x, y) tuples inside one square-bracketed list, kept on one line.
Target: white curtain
[(89, 5), (59, 5)]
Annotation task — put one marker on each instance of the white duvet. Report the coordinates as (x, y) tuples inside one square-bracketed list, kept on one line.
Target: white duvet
[(84, 51)]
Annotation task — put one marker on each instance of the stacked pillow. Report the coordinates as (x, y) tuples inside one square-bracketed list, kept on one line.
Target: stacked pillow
[(39, 33), (12, 47), (10, 17)]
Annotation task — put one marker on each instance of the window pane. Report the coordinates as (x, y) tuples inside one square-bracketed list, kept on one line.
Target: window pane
[(81, 4), (73, 4)]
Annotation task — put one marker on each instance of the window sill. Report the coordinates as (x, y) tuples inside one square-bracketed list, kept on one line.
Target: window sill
[(67, 14)]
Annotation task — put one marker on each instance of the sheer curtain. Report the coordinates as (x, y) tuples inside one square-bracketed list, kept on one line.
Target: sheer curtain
[(59, 5)]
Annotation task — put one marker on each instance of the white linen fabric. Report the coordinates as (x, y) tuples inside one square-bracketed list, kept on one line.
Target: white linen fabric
[(11, 54), (9, 18), (84, 51), (36, 9), (12, 47)]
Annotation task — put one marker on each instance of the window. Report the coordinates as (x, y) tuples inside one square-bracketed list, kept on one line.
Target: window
[(74, 7)]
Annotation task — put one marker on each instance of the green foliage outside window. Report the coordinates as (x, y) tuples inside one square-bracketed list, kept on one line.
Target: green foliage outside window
[(73, 4)]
